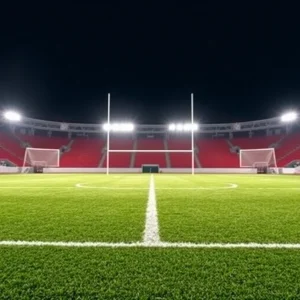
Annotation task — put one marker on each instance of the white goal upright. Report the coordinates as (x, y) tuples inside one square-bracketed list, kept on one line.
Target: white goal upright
[(38, 157), (258, 158), (188, 127)]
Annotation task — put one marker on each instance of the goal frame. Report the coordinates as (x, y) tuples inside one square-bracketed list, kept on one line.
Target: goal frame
[(43, 149), (259, 162), (192, 150)]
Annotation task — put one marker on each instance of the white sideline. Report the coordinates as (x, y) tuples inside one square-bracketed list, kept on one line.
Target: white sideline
[(151, 245), (151, 233)]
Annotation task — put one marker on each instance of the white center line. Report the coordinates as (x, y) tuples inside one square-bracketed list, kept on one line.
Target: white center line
[(151, 233)]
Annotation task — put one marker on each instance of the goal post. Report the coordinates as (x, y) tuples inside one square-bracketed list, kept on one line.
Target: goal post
[(44, 158), (258, 158), (191, 129)]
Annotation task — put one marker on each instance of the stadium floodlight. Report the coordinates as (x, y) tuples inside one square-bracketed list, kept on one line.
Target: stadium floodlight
[(187, 127), (12, 116), (118, 127), (172, 127), (289, 117)]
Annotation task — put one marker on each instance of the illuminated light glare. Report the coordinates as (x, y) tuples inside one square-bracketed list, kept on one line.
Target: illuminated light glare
[(118, 127), (172, 127), (12, 116), (195, 126), (105, 127), (186, 127), (179, 127), (289, 117)]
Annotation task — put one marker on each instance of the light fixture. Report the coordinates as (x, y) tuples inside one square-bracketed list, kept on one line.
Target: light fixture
[(12, 116)]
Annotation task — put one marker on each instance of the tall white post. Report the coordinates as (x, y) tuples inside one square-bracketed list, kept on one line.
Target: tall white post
[(192, 134), (108, 134)]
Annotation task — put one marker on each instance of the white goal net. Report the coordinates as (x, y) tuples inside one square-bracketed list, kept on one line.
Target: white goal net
[(36, 157), (258, 158)]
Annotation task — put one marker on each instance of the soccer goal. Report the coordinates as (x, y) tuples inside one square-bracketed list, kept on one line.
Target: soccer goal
[(297, 170), (264, 160), (41, 158)]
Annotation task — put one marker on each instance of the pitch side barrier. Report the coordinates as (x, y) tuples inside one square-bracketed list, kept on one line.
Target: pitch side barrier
[(162, 170), (17, 170)]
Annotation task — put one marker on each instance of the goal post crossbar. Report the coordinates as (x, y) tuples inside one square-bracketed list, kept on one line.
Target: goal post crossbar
[(42, 149), (150, 151), (244, 150)]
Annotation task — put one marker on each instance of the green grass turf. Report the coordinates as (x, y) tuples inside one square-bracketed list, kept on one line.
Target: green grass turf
[(89, 273), (51, 208), (256, 211)]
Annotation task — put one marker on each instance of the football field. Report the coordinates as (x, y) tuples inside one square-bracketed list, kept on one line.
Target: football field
[(158, 236)]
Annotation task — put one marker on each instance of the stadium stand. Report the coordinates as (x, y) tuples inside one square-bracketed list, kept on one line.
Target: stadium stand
[(255, 142), (119, 160), (180, 160), (289, 150), (211, 153), (150, 158), (84, 153), (216, 154), (45, 142), (5, 155), (12, 145)]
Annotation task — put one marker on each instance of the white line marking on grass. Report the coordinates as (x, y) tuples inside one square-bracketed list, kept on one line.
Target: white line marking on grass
[(270, 188), (80, 185), (231, 186), (151, 245), (36, 187), (151, 233)]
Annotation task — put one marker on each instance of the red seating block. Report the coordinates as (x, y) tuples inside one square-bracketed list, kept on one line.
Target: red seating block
[(85, 153), (180, 160), (148, 157), (216, 154)]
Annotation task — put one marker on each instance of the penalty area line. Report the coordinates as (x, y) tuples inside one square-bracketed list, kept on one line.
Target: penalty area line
[(150, 245)]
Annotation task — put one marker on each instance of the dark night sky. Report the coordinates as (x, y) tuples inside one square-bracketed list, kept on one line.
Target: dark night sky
[(58, 62)]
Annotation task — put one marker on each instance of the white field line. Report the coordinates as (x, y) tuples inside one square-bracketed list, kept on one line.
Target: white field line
[(151, 232), (152, 245), (230, 186), (80, 185), (37, 187)]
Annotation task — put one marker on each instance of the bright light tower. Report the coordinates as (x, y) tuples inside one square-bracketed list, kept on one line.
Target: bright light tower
[(12, 116), (183, 127), (289, 117), (118, 127)]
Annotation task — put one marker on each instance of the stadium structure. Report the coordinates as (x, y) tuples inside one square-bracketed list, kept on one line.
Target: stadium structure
[(149, 148), (149, 236)]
